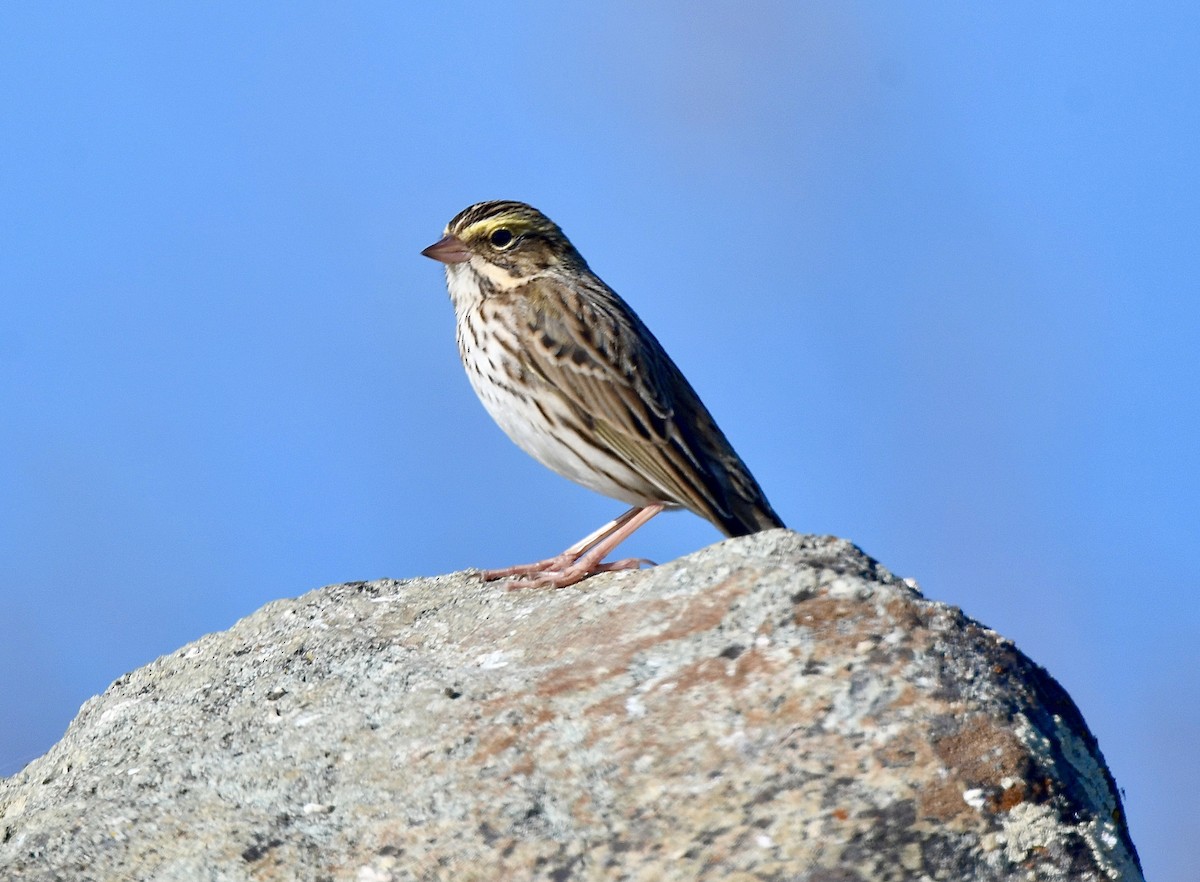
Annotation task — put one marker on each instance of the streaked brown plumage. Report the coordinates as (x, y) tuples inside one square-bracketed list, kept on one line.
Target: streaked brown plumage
[(576, 379)]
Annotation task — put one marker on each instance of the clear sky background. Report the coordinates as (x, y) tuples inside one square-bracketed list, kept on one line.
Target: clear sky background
[(933, 267)]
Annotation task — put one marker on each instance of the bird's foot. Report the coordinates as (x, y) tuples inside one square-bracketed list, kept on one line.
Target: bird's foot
[(582, 559), (561, 577), (550, 564)]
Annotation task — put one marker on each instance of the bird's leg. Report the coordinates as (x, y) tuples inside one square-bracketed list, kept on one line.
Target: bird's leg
[(602, 533), (584, 558), (568, 557), (589, 563)]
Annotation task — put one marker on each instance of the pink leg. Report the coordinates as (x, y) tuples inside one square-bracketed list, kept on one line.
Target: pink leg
[(582, 559), (568, 557)]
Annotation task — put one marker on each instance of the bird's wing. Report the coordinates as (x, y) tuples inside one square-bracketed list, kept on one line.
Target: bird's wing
[(619, 382)]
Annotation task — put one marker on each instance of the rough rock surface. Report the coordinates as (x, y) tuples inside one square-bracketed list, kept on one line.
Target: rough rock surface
[(777, 707)]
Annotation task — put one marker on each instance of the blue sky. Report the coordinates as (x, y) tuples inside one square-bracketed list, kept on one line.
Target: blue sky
[(934, 269)]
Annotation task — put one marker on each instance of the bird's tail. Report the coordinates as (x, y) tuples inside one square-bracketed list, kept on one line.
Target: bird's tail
[(749, 516)]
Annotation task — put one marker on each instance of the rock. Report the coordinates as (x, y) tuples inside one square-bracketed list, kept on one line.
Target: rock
[(773, 707)]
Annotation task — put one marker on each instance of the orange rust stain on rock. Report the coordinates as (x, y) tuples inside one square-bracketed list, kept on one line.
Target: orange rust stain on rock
[(841, 814), (979, 755), (700, 674), (614, 648), (494, 744), (523, 765), (943, 801), (1022, 791), (905, 696), (581, 675), (803, 708), (495, 739), (838, 625), (1011, 797), (703, 612), (908, 614), (982, 752), (749, 665), (613, 706), (822, 611), (727, 675)]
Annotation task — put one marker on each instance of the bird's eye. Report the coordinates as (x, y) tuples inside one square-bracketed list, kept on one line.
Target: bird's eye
[(501, 238)]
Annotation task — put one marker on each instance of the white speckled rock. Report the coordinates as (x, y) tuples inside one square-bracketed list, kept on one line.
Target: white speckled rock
[(773, 707)]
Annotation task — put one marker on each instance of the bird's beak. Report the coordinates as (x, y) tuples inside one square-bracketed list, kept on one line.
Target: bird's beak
[(448, 249)]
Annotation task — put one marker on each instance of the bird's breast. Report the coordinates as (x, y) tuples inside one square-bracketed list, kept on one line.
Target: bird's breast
[(533, 414)]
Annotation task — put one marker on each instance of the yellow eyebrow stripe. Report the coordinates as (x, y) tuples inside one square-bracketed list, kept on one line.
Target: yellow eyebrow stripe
[(484, 228)]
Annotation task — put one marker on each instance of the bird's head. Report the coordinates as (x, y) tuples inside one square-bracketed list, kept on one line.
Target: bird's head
[(506, 243)]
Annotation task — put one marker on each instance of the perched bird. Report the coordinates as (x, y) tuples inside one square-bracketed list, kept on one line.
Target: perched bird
[(572, 375)]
